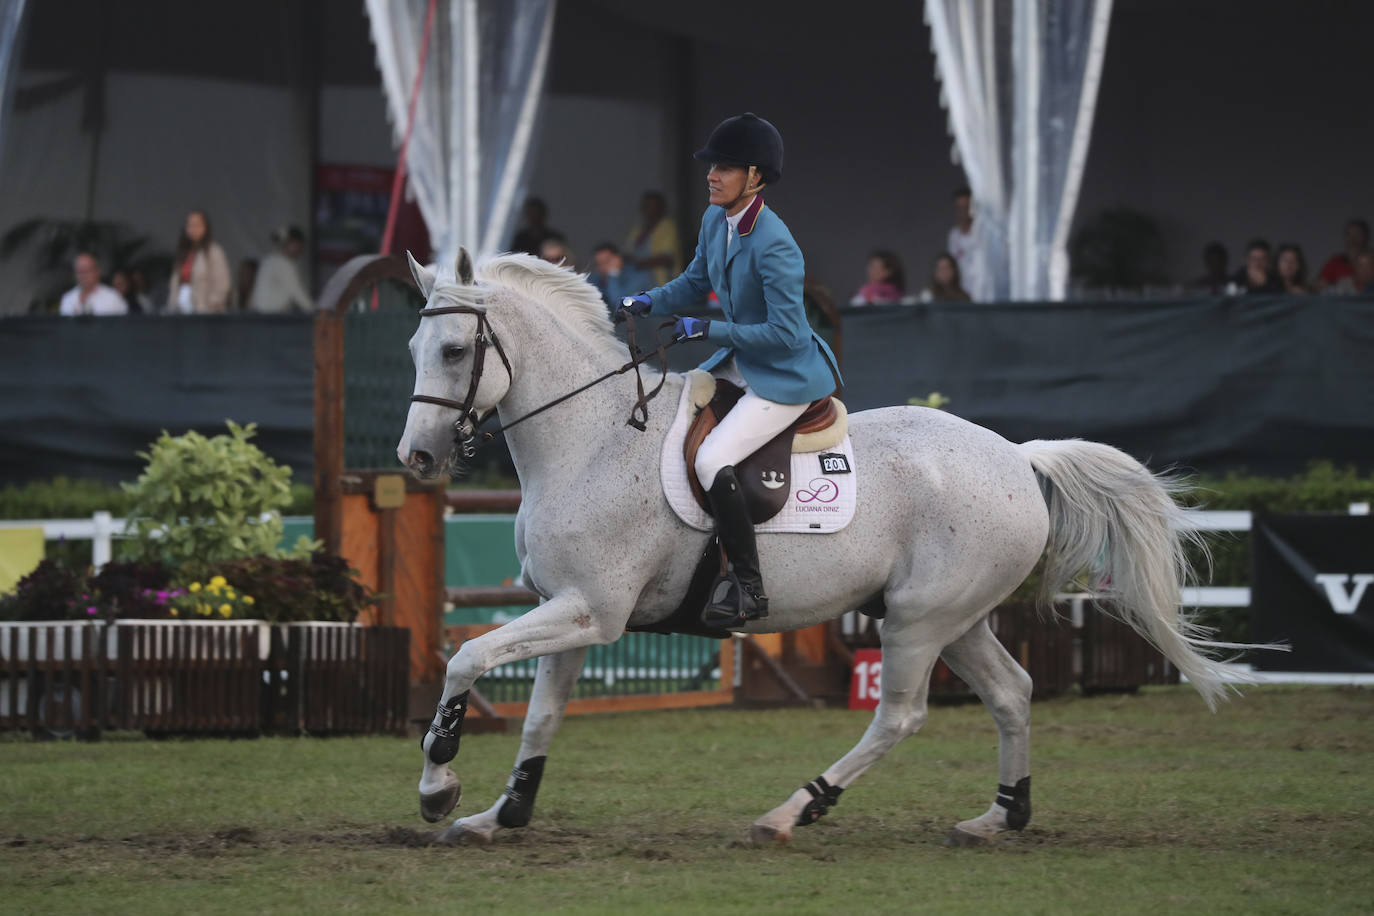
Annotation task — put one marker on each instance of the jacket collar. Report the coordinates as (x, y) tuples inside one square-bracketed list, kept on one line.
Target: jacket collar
[(750, 215)]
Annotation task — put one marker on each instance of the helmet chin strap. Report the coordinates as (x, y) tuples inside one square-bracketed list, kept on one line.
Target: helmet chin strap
[(753, 184)]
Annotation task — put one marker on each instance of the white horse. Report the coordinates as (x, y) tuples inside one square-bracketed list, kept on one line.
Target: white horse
[(951, 518)]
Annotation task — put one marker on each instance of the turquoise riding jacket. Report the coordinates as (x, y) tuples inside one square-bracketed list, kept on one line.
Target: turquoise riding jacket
[(759, 285)]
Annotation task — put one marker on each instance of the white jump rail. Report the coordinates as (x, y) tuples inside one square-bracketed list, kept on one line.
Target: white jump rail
[(100, 529), (1227, 520)]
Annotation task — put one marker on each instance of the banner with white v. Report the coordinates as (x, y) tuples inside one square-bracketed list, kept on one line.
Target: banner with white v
[(1311, 588)]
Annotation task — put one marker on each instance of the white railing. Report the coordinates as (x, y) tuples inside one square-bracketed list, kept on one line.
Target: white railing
[(1198, 596), (100, 529)]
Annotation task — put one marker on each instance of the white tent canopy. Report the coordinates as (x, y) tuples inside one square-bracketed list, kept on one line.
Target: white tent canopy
[(476, 112), (1019, 79)]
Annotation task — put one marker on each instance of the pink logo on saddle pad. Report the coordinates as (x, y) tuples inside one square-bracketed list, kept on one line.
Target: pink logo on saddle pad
[(819, 490)]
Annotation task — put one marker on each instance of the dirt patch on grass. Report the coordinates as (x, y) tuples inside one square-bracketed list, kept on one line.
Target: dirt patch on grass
[(555, 846), (230, 839)]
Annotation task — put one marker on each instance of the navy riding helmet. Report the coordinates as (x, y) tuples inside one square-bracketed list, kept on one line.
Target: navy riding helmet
[(746, 140)]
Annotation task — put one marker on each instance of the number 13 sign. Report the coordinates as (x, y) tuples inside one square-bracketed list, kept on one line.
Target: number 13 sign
[(865, 686)]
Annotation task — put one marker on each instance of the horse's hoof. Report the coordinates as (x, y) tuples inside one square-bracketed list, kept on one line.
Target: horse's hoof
[(964, 839), (436, 805), (460, 835), (768, 835)]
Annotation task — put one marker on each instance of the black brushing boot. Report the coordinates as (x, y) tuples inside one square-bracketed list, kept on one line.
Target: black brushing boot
[(736, 597)]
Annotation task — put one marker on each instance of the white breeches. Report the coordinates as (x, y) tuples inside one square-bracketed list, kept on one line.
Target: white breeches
[(746, 428)]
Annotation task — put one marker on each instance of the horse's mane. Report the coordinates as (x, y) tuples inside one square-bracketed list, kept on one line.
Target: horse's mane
[(566, 295)]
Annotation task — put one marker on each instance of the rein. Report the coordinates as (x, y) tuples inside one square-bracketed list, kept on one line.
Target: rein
[(466, 425)]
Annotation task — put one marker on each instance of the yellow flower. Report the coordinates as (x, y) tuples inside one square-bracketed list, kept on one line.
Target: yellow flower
[(218, 582), (248, 599), (193, 587), (212, 588), (229, 593), (175, 613), (203, 610), (225, 610)]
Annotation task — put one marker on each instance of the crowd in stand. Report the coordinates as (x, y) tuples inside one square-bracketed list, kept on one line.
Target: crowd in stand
[(200, 282), (1268, 271), (958, 275), (651, 255)]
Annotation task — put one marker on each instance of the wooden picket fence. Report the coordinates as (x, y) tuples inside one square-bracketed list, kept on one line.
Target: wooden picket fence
[(1101, 654), (229, 677)]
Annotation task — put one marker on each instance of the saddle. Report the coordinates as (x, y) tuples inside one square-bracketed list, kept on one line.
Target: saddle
[(764, 474)]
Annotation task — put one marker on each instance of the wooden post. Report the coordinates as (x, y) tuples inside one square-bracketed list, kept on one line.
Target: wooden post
[(329, 428), (386, 565), (343, 288)]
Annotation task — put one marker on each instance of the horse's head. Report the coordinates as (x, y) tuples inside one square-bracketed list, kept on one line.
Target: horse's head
[(461, 370)]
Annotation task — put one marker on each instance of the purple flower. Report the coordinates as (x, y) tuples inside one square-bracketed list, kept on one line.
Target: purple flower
[(91, 611)]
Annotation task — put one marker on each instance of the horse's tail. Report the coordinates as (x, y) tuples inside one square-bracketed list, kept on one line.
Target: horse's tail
[(1111, 517)]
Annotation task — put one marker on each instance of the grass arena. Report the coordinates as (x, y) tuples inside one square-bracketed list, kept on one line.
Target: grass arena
[(758, 418), (1143, 802)]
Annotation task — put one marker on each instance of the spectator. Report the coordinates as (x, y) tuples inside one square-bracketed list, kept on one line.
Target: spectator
[(1291, 268), (964, 247), (886, 281), (1338, 272), (90, 296), (278, 287), (1256, 277), (1364, 272), (534, 229), (946, 285), (653, 244), (614, 277), (1215, 260), (244, 281), (138, 286), (200, 272), (120, 283), (555, 250)]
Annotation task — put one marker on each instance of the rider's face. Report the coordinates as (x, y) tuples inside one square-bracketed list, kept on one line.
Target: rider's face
[(726, 183)]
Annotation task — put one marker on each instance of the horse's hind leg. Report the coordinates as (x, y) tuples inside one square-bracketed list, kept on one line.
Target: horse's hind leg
[(908, 657), (553, 685), (1005, 688)]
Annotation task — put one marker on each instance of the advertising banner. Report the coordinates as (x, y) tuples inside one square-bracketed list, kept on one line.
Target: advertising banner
[(1311, 587)]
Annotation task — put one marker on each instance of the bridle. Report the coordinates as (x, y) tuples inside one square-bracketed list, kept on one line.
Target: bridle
[(465, 427)]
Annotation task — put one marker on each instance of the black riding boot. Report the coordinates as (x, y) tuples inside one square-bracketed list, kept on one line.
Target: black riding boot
[(736, 597)]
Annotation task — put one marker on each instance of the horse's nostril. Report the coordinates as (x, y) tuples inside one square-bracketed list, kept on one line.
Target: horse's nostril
[(421, 460)]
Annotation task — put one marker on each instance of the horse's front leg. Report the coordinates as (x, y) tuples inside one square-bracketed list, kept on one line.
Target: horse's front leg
[(563, 622), (553, 685)]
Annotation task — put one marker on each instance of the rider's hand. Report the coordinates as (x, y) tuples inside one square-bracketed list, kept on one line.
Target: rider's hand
[(638, 304), (691, 328)]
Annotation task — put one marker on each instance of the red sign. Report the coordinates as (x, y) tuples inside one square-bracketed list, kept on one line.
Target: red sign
[(865, 685)]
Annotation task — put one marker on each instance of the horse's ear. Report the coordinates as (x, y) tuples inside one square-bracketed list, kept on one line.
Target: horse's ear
[(423, 278), (463, 269)]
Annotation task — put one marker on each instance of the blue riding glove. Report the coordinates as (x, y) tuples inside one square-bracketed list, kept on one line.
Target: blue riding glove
[(638, 304), (691, 328)]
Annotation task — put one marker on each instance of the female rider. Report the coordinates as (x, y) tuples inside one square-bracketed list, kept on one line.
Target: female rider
[(745, 253)]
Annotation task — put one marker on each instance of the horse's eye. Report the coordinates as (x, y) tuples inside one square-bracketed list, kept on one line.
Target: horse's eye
[(452, 351)]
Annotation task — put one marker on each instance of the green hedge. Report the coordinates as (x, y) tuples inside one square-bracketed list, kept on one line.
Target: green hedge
[(1322, 488), (65, 498)]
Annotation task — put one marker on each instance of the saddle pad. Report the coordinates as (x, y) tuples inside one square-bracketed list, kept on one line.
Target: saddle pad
[(823, 485)]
